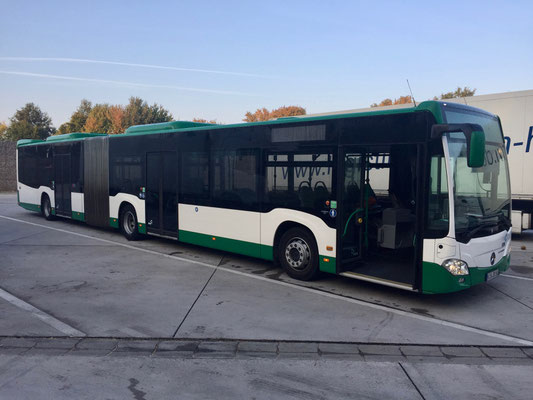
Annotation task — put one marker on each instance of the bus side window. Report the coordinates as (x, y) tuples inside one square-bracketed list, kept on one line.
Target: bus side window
[(235, 178), (280, 187), (300, 181), (126, 174), (195, 176)]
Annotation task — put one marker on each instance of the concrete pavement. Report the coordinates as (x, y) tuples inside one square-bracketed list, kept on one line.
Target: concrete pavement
[(178, 308)]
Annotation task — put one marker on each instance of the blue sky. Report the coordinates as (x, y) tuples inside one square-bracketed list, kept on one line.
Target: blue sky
[(236, 56)]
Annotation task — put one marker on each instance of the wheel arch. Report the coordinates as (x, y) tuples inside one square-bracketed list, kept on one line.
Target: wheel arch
[(43, 194), (120, 200)]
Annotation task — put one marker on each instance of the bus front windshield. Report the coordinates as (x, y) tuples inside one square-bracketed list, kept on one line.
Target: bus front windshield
[(482, 200)]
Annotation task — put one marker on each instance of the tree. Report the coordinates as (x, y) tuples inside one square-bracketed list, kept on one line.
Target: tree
[(138, 112), (287, 111), (262, 114), (204, 121), (158, 114), (3, 129), (77, 119), (98, 119), (389, 102), (116, 117), (465, 92), (29, 122)]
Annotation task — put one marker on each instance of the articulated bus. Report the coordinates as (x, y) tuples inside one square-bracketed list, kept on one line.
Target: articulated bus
[(416, 198)]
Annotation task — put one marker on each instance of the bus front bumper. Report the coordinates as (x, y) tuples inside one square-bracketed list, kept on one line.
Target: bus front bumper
[(436, 279)]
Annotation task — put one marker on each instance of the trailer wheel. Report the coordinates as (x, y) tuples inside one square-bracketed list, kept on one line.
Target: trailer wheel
[(298, 254), (128, 223), (46, 208)]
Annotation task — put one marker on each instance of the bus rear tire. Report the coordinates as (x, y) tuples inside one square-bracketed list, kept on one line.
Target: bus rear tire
[(46, 208), (298, 254), (128, 223)]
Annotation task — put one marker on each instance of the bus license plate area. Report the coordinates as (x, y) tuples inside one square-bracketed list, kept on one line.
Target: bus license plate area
[(491, 275)]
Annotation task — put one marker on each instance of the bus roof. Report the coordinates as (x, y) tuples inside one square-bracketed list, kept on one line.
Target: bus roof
[(177, 126), (59, 138)]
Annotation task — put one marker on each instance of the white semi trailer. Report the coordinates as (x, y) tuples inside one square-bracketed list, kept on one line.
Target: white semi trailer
[(515, 110)]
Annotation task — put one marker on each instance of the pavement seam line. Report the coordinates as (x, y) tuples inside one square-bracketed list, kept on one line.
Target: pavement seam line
[(46, 318), (194, 303), (20, 238), (436, 321), (511, 297), (412, 382), (517, 277)]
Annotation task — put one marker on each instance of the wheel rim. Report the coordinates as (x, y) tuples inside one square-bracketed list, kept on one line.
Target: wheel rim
[(297, 253), (129, 222)]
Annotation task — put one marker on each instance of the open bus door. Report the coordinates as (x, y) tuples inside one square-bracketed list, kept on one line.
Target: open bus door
[(378, 224), (351, 221)]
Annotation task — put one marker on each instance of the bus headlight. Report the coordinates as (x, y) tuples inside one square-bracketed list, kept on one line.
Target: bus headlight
[(456, 267)]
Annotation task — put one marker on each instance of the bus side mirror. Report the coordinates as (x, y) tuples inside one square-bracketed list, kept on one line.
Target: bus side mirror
[(476, 149), (475, 140)]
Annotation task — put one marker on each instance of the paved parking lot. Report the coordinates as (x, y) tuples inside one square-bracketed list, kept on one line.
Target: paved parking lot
[(61, 279)]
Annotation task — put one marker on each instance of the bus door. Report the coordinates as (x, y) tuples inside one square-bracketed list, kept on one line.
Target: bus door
[(62, 184), (161, 188), (350, 222)]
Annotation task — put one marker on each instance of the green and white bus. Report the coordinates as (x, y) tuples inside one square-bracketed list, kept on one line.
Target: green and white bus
[(414, 198)]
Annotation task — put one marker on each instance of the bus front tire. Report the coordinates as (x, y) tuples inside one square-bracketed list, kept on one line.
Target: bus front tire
[(128, 223), (298, 254), (46, 208)]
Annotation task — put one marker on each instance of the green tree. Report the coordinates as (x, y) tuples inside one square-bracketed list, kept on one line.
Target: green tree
[(77, 119), (138, 112), (464, 92), (159, 114), (262, 114), (29, 122)]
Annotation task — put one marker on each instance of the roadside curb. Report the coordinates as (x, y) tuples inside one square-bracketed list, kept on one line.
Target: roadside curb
[(268, 349)]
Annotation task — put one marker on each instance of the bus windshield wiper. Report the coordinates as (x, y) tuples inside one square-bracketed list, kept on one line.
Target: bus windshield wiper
[(469, 234)]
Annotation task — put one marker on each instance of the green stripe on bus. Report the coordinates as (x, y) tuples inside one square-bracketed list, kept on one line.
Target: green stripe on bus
[(141, 228), (78, 216), (327, 264), (113, 222), (231, 245), (31, 207)]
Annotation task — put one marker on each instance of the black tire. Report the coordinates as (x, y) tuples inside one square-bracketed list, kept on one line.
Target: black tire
[(128, 223), (298, 254), (46, 208)]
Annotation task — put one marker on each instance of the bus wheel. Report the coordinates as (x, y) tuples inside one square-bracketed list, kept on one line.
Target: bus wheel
[(46, 208), (128, 223), (298, 254)]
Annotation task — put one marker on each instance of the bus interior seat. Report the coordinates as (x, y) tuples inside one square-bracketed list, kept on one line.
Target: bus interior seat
[(305, 195), (321, 194)]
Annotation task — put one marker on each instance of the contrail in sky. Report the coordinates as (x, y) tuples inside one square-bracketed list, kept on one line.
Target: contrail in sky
[(81, 60), (122, 83)]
